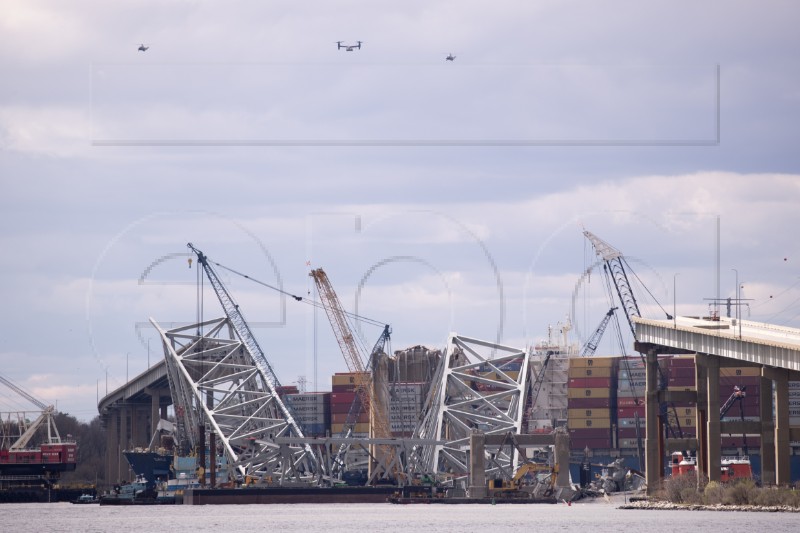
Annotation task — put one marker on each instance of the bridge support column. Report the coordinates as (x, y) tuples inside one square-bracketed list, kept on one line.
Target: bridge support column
[(652, 452), (477, 465), (782, 450), (701, 413), (713, 463), (767, 433), (112, 447)]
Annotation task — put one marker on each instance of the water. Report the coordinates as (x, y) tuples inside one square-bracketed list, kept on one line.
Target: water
[(592, 517)]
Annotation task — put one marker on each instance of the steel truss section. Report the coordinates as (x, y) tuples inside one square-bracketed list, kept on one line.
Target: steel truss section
[(478, 385), (216, 383)]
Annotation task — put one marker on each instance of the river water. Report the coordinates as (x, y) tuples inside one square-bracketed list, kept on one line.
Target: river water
[(591, 517)]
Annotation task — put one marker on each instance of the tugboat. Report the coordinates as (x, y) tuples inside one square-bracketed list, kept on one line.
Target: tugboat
[(140, 492), (86, 498)]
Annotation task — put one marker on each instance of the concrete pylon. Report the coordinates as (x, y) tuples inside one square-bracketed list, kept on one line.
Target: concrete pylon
[(562, 458), (477, 465)]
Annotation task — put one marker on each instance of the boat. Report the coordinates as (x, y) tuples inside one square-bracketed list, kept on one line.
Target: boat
[(139, 492), (151, 464), (86, 498), (731, 467)]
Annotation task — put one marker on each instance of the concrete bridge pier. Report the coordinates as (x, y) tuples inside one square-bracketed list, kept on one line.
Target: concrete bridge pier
[(767, 432), (714, 443)]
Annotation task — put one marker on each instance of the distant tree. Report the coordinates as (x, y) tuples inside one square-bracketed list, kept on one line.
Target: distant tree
[(91, 441)]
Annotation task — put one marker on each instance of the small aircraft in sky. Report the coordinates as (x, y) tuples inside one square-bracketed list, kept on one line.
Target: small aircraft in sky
[(348, 47), (143, 48), (450, 57)]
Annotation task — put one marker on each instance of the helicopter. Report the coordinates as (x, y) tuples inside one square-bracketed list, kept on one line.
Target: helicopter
[(450, 57), (143, 48), (348, 47)]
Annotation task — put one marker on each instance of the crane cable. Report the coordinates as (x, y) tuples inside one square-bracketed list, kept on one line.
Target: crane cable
[(308, 301)]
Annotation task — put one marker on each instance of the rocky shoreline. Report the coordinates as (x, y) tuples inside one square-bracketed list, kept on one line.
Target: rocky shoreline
[(669, 506)]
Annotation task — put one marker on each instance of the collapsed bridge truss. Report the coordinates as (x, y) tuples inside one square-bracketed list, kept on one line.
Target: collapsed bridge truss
[(216, 383), (478, 385)]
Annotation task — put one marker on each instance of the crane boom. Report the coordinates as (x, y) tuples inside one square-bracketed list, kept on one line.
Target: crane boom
[(613, 264), (594, 340), (8, 383), (243, 330), (365, 389)]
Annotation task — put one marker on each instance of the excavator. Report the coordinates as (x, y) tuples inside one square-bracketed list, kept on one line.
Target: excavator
[(530, 479)]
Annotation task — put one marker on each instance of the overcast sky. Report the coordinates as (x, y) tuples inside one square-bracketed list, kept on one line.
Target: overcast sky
[(438, 196)]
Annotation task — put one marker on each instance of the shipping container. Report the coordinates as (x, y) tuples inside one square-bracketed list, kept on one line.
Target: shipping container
[(362, 427), (593, 362), (630, 401), (746, 371), (588, 413), (589, 423), (591, 372), (589, 433), (630, 412), (592, 444), (589, 393), (591, 383), (590, 403)]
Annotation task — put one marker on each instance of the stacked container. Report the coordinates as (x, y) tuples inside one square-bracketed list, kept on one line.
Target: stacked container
[(343, 386), (590, 402), (631, 374), (681, 376), (794, 403), (312, 411), (748, 379), (405, 405)]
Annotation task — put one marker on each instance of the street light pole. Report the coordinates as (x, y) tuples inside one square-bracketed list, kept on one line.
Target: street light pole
[(736, 294), (674, 302)]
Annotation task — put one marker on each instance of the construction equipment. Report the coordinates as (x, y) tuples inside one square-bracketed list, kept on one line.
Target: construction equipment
[(358, 405), (738, 396), (614, 268), (32, 453), (368, 388), (220, 377), (594, 340), (531, 478)]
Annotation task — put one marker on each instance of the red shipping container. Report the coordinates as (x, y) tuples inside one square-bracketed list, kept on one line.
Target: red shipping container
[(681, 362), (588, 403), (630, 412), (629, 402), (733, 441), (681, 372), (592, 444), (589, 433), (590, 383), (630, 433), (681, 382)]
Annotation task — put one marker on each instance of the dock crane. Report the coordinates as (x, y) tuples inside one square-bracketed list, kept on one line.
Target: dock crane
[(364, 380)]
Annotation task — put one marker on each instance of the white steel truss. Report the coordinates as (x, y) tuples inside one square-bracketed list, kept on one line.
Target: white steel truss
[(478, 385), (215, 383)]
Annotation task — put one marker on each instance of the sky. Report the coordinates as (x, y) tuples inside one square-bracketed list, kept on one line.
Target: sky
[(439, 196)]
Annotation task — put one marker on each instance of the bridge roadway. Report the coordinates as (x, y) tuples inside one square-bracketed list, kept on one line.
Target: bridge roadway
[(719, 343), (130, 415)]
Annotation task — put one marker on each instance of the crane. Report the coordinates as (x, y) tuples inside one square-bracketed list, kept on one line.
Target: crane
[(614, 267), (738, 395), (364, 382), (44, 420), (358, 405), (271, 382), (594, 340)]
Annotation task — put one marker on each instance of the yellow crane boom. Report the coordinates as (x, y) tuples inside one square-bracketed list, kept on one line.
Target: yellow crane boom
[(364, 382)]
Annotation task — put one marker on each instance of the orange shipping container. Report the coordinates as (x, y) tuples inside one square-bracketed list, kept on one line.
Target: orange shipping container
[(590, 372)]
